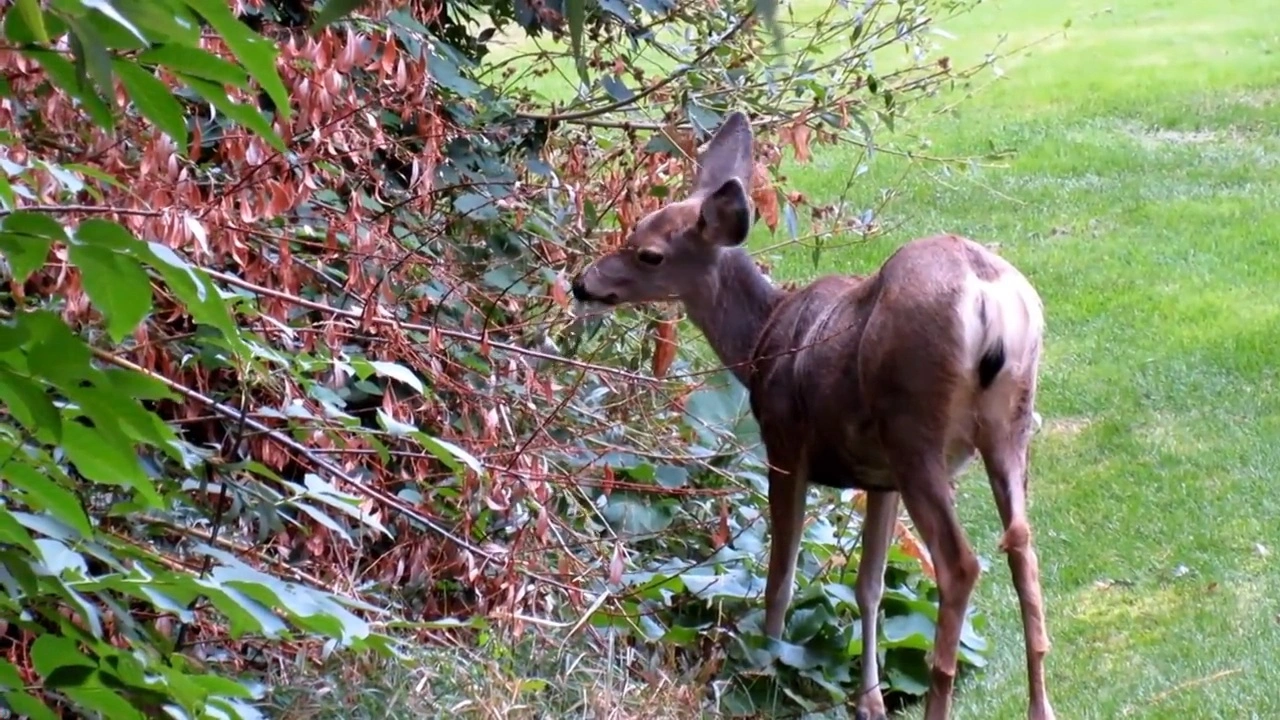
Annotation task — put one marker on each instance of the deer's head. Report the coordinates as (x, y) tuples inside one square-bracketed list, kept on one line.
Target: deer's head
[(674, 250)]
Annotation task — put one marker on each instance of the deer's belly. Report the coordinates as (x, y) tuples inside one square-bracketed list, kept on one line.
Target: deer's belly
[(844, 468)]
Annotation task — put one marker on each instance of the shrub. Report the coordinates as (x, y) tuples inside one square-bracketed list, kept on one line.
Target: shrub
[(289, 367)]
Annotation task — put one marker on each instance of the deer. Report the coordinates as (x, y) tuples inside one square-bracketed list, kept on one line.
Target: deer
[(889, 383)]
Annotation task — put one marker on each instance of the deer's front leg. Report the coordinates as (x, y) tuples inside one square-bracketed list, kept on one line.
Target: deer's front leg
[(786, 522)]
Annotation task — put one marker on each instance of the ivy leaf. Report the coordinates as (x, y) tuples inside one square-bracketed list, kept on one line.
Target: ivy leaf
[(333, 11), (256, 53), (913, 630), (117, 284), (154, 101)]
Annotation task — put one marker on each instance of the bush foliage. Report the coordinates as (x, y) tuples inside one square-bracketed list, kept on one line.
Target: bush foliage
[(288, 366)]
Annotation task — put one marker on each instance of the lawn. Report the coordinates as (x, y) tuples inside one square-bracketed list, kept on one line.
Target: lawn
[(1144, 203)]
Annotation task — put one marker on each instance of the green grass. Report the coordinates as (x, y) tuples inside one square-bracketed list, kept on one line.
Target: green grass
[(1144, 204)]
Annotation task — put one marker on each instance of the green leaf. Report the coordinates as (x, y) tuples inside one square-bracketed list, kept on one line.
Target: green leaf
[(28, 27), (333, 11), (154, 101), (448, 453), (13, 532), (398, 372), (912, 630), (6, 192), (116, 283), (92, 59), (51, 651), (25, 222), (64, 75), (31, 14), (575, 12), (45, 494), (250, 117), (105, 462), (25, 253), (195, 62), (27, 706), (106, 234), (108, 9), (196, 291), (29, 403), (9, 677), (256, 53), (768, 10), (163, 21)]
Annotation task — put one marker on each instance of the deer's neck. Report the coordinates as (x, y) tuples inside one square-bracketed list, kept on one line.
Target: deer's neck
[(732, 307)]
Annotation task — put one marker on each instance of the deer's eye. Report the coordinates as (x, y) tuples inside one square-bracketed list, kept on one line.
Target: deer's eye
[(649, 257)]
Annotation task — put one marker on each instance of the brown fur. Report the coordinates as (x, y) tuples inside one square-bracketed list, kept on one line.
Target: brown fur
[(889, 383)]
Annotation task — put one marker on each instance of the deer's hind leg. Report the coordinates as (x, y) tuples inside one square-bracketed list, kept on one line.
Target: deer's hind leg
[(915, 451), (1004, 440)]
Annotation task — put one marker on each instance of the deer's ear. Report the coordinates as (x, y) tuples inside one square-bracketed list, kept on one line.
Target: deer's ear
[(727, 155), (725, 215)]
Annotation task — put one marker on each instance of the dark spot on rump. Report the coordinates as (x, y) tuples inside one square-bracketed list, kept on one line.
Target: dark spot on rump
[(991, 364)]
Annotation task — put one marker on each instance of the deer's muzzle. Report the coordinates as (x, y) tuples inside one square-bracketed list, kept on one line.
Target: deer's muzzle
[(582, 294)]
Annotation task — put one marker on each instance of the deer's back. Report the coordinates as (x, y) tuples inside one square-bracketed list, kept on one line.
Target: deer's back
[(839, 354)]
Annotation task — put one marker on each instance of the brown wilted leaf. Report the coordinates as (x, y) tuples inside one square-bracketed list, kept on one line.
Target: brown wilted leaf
[(558, 294), (720, 537), (766, 202), (800, 141), (606, 483), (615, 565), (916, 549), (664, 347)]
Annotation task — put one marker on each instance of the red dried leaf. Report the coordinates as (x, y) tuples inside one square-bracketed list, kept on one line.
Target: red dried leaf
[(664, 347), (616, 565)]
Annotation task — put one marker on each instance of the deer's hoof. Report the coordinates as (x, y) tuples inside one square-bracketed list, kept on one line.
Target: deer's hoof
[(865, 714)]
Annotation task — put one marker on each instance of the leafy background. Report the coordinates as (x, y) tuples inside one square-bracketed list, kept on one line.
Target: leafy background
[(291, 378)]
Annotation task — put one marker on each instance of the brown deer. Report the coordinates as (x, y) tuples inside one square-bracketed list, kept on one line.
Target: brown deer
[(887, 383)]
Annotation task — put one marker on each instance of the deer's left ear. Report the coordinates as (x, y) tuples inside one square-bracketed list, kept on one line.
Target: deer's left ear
[(725, 215)]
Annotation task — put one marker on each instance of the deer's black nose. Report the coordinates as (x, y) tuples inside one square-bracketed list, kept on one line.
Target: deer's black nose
[(579, 290)]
